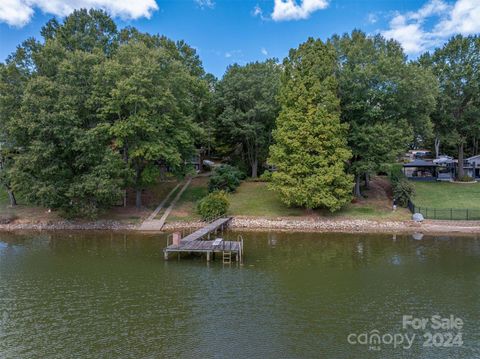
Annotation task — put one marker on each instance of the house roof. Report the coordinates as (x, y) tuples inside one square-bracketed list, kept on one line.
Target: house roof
[(420, 163), (473, 158)]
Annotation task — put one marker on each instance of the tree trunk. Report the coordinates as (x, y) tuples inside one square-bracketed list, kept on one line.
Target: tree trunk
[(367, 180), (138, 193), (11, 196), (255, 168), (437, 147), (201, 155), (460, 172), (138, 198), (125, 159), (356, 191)]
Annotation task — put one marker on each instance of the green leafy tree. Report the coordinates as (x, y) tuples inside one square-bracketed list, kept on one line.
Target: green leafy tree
[(60, 153), (247, 103), (84, 30), (146, 96), (310, 150), (457, 68), (385, 101)]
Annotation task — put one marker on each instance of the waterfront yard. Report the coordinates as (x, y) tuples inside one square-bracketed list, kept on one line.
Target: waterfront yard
[(254, 199), (447, 195)]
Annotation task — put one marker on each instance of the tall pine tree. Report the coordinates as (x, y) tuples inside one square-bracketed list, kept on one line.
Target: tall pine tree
[(310, 150)]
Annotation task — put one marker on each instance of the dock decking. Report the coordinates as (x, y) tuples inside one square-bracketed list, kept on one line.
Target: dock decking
[(209, 228), (196, 243)]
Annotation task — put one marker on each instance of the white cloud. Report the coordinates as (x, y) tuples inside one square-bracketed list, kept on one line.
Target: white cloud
[(291, 10), (372, 18), (412, 31), (205, 3), (257, 11), (15, 12), (234, 55), (264, 51), (19, 12)]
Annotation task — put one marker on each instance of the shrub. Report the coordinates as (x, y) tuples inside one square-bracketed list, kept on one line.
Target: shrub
[(393, 170), (225, 178), (266, 176), (403, 190), (213, 205), (466, 178)]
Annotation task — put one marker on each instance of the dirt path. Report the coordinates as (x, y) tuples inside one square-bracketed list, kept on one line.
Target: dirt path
[(152, 224)]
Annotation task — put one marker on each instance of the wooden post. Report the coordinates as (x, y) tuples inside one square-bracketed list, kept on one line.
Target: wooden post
[(165, 255), (176, 237), (208, 256)]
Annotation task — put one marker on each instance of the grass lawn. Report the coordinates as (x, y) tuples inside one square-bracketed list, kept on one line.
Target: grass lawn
[(447, 195), (185, 208), (256, 200)]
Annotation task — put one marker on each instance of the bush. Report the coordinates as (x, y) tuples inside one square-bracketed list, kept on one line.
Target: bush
[(225, 178), (466, 178), (266, 176), (213, 205), (393, 170), (403, 190)]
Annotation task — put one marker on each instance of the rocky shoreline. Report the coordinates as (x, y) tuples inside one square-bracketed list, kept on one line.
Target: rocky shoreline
[(267, 224), (343, 225)]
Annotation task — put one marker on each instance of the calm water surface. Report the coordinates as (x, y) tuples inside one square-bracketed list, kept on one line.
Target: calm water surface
[(97, 295)]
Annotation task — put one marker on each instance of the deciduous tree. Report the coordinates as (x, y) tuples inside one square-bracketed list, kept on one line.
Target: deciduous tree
[(247, 103)]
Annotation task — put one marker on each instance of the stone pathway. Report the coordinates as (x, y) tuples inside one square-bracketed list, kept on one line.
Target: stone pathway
[(152, 224)]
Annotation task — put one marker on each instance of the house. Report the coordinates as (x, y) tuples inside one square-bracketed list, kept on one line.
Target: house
[(472, 166)]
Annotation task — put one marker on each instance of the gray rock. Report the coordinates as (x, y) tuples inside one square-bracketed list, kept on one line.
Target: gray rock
[(418, 217)]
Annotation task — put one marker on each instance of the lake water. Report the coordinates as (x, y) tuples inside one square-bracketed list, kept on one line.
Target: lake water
[(98, 295)]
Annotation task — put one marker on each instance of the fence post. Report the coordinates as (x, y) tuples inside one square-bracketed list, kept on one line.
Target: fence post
[(426, 212), (467, 214), (451, 213), (435, 213)]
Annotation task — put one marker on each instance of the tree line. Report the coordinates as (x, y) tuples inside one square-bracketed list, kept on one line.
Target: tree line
[(92, 110)]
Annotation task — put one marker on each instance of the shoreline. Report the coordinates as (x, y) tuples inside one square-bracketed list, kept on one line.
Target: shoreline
[(260, 224)]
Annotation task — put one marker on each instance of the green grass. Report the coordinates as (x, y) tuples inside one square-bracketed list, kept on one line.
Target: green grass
[(447, 195), (184, 210), (254, 199)]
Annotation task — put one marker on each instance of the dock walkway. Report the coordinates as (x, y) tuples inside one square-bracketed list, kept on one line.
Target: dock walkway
[(196, 243), (209, 228)]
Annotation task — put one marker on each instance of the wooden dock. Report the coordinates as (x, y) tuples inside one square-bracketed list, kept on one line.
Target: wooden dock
[(199, 242), (212, 227)]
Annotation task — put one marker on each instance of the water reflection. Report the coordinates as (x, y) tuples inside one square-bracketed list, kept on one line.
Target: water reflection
[(298, 295)]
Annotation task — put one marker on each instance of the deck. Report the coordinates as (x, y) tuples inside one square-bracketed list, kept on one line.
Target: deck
[(196, 243)]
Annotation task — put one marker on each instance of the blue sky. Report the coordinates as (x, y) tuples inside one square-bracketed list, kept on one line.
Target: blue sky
[(229, 31)]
